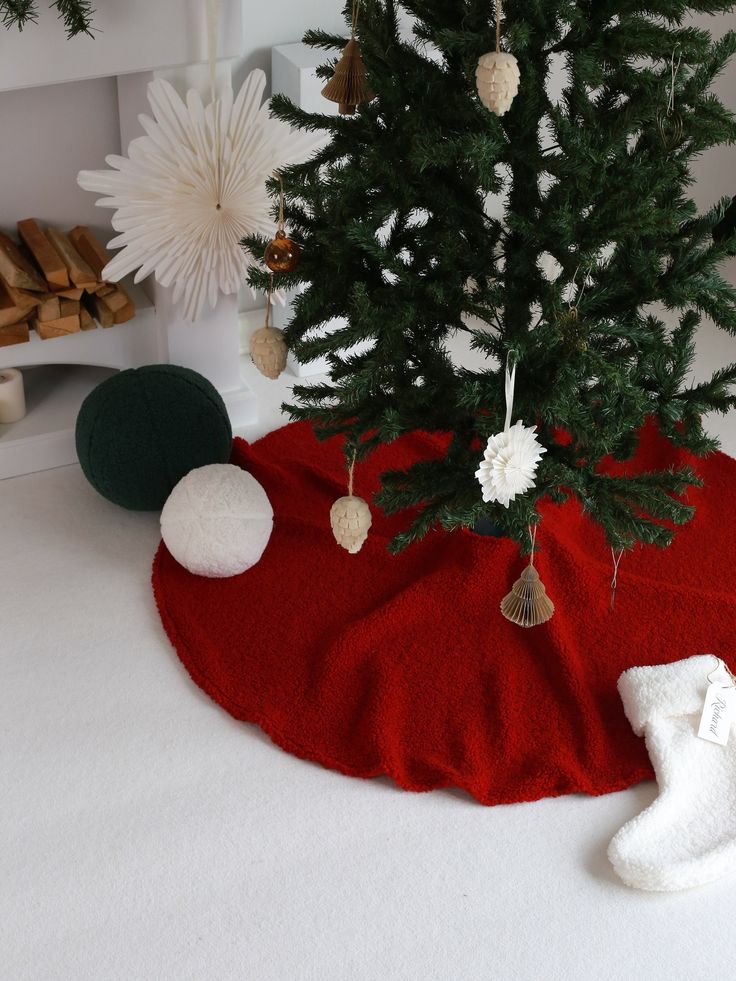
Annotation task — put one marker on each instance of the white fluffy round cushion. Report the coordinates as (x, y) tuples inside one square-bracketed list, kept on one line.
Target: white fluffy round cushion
[(217, 521)]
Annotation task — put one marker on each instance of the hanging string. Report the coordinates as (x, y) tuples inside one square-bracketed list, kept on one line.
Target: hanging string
[(351, 473), (675, 68), (356, 11), (533, 539), (268, 302), (282, 222), (614, 582), (498, 25)]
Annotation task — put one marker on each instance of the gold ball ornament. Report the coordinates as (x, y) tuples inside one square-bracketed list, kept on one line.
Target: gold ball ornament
[(282, 253), (350, 518), (268, 351), (497, 79)]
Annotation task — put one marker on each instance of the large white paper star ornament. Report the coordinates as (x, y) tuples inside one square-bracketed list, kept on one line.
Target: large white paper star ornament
[(193, 187)]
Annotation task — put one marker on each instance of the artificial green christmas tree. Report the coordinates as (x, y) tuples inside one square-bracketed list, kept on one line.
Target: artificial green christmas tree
[(559, 237)]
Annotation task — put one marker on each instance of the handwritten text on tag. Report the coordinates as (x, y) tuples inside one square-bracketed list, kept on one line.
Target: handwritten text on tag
[(717, 716)]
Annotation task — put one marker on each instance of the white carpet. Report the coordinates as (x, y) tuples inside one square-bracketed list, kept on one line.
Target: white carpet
[(147, 836)]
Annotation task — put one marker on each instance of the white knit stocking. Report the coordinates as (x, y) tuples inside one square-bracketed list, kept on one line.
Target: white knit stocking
[(688, 835)]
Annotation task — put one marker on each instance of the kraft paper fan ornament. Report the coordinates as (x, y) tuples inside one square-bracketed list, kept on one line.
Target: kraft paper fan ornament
[(528, 604), (349, 83), (193, 187)]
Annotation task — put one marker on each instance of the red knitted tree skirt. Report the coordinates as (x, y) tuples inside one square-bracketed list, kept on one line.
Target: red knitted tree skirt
[(372, 664)]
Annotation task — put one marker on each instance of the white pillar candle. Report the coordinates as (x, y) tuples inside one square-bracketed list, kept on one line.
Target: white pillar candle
[(12, 397)]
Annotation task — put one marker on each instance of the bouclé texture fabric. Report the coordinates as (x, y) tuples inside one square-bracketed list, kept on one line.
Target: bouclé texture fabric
[(140, 431), (217, 521), (403, 665), (687, 837)]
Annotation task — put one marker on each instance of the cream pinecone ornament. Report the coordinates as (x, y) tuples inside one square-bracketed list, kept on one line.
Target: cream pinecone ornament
[(350, 518), (497, 75)]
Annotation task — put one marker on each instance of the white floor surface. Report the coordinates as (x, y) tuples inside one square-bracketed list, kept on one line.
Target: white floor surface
[(147, 836)]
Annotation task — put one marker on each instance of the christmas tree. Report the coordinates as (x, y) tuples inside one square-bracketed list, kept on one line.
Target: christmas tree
[(559, 237)]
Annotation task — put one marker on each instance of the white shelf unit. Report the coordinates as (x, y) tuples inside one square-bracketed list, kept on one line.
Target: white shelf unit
[(60, 372)]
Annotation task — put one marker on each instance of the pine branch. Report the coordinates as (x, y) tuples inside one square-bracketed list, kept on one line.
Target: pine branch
[(77, 16), (18, 13)]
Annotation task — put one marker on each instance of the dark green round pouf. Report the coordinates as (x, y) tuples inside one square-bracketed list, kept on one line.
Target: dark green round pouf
[(141, 431)]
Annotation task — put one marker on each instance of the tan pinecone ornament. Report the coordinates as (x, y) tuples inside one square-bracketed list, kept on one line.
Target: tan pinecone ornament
[(350, 518), (268, 348), (268, 351), (497, 75)]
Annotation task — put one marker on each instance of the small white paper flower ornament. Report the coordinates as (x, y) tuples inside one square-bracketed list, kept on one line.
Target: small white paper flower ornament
[(193, 187), (509, 464)]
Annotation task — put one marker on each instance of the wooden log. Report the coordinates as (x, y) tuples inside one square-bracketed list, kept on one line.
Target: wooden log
[(73, 293), (79, 272), (15, 334), (116, 299), (104, 289), (69, 307), (49, 261), (15, 304), (103, 314), (86, 320), (57, 328), (126, 313), (93, 253), (16, 269), (49, 308)]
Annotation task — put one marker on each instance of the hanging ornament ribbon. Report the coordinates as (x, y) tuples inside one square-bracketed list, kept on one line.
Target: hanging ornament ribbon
[(497, 75), (509, 391), (510, 462)]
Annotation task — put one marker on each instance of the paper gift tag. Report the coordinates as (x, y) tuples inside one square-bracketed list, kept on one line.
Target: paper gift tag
[(718, 712)]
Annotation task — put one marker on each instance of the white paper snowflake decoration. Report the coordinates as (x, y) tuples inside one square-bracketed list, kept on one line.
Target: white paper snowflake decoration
[(509, 464), (193, 187)]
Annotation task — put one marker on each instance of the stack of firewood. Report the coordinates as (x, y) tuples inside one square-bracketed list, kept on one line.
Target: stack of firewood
[(53, 284)]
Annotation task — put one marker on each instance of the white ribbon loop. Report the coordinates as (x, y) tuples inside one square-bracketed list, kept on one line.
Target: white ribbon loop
[(510, 383)]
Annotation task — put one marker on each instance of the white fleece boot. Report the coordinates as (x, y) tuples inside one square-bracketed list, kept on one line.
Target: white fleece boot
[(688, 835)]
